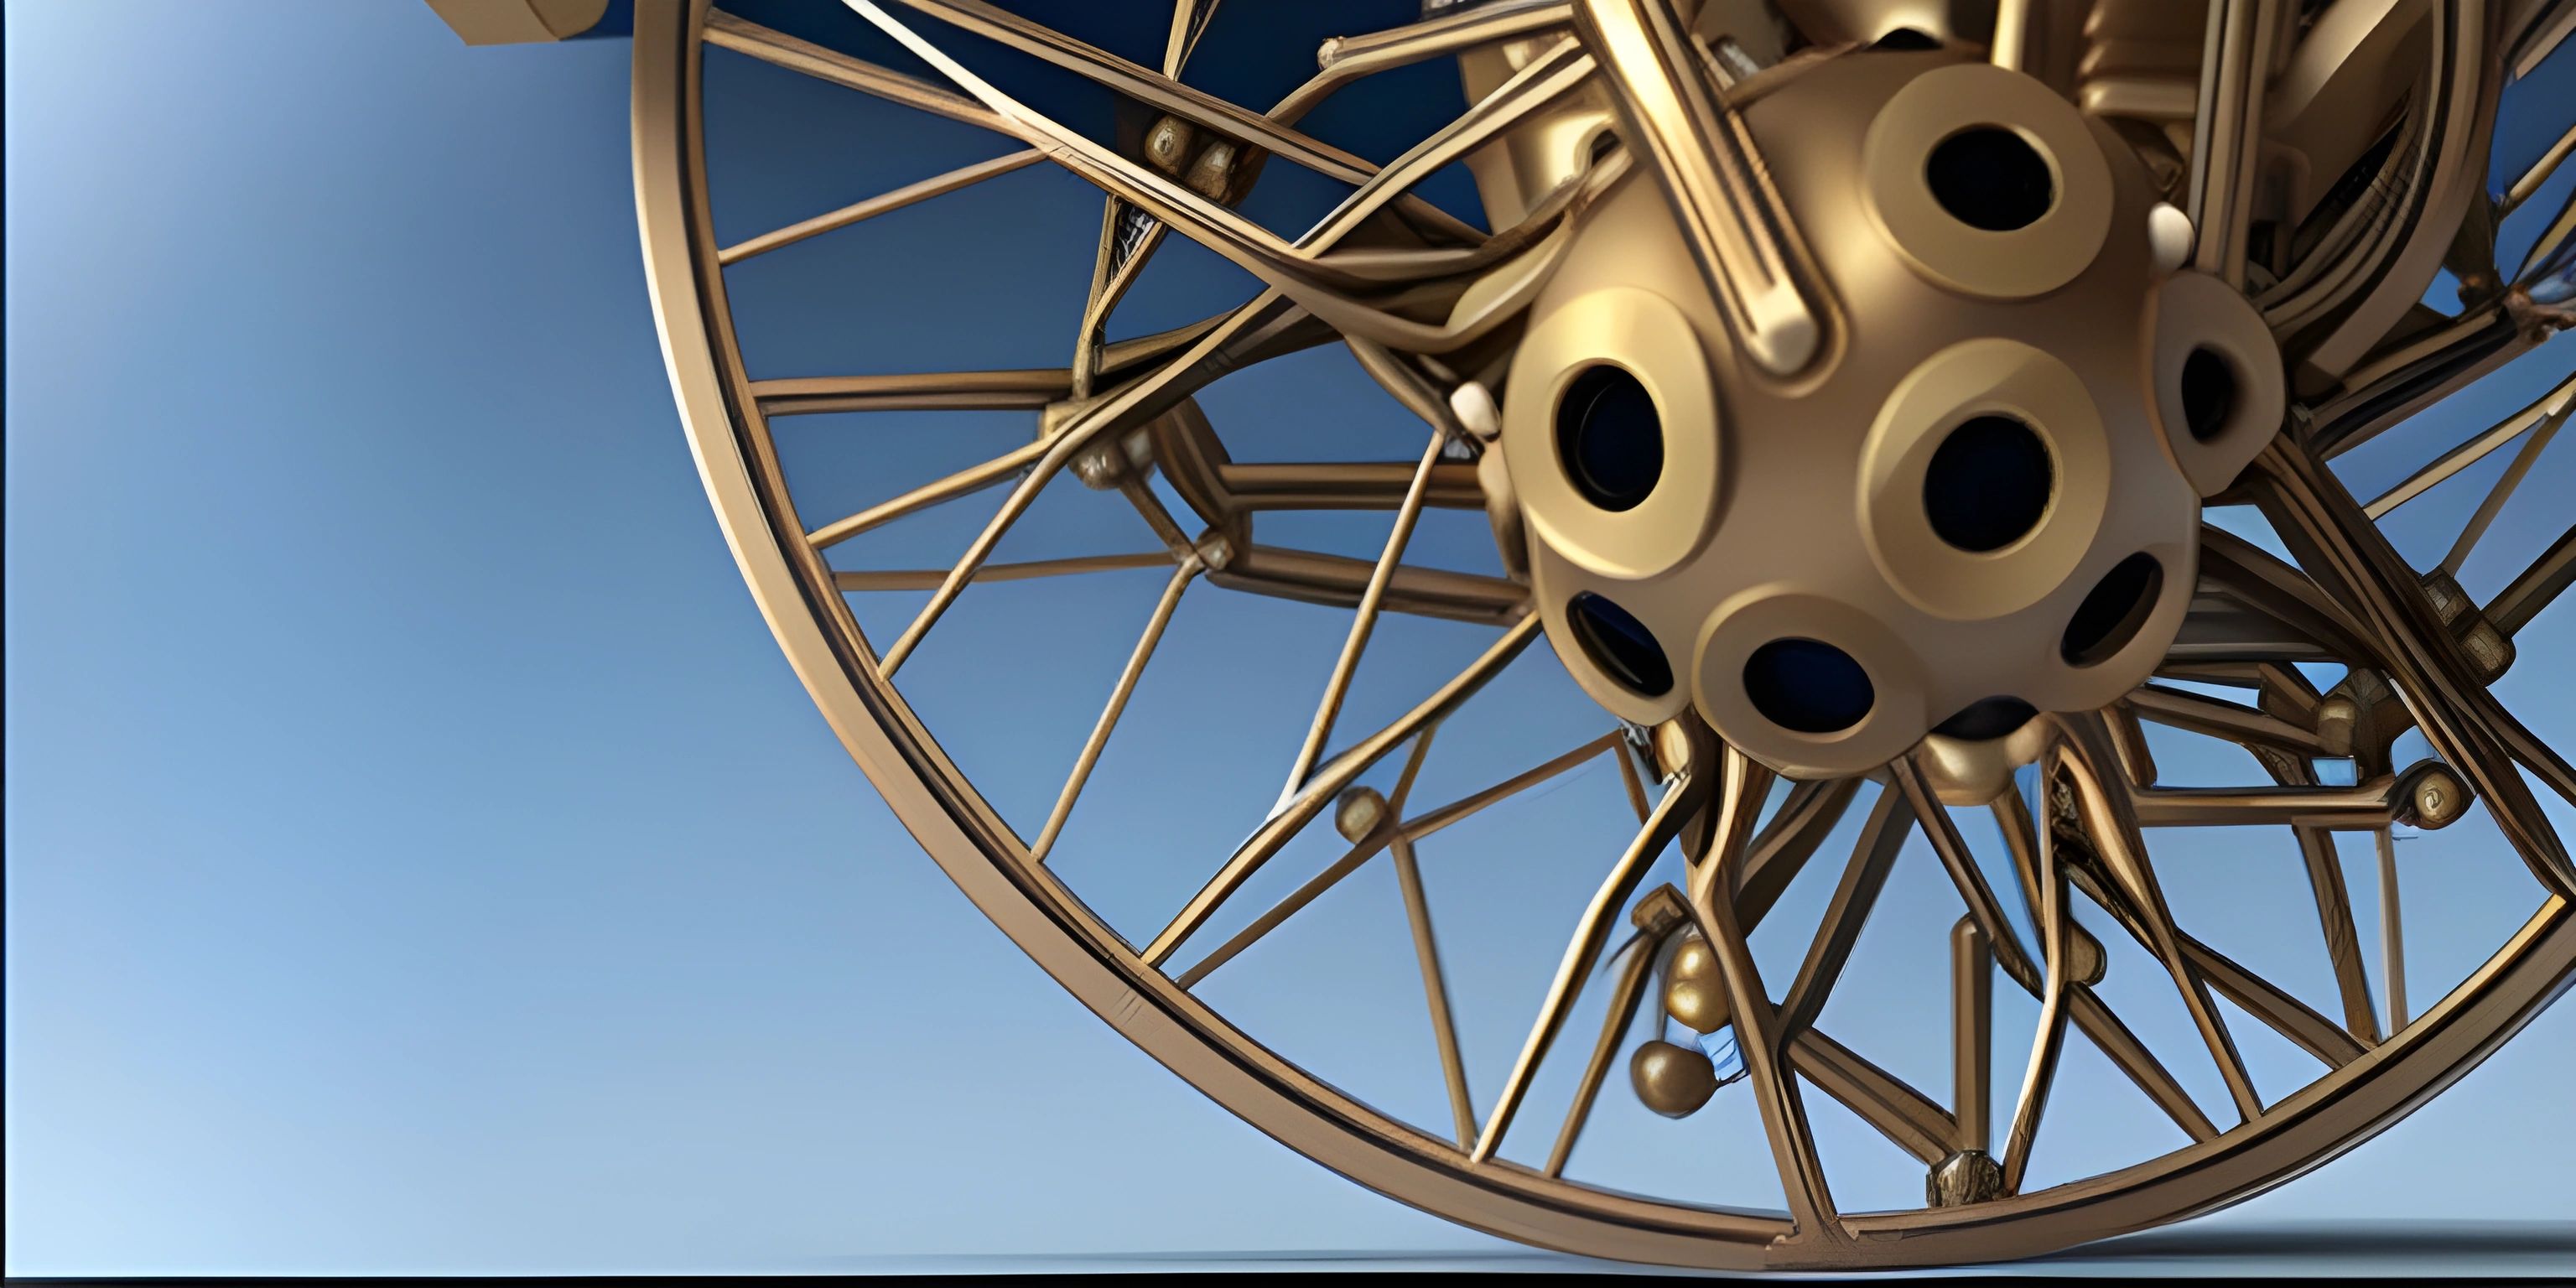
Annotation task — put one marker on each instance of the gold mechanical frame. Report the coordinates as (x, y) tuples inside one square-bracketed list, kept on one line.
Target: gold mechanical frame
[(1118, 409)]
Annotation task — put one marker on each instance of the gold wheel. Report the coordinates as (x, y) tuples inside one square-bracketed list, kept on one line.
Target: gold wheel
[(1618, 114)]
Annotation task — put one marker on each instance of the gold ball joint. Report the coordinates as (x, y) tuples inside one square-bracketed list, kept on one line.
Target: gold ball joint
[(1672, 1080), (1357, 812), (1695, 994)]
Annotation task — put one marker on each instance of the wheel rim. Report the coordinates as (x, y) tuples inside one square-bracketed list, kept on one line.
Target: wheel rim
[(1137, 990)]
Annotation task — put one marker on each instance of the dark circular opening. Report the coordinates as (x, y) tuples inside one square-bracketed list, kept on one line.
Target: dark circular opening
[(1988, 484), (1807, 686), (2113, 611), (1991, 178), (1603, 144), (1905, 40), (1987, 718), (2208, 393), (1610, 438), (1619, 644)]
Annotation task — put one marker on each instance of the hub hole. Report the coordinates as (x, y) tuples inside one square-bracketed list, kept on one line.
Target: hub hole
[(1906, 40), (1986, 718), (2113, 611), (1620, 645), (1610, 438), (2208, 393), (1991, 178), (1807, 686), (1988, 484)]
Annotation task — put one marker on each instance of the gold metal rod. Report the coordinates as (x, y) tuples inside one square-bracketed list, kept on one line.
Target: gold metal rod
[(1171, 97), (1884, 1101), (1591, 931), (2472, 451), (1629, 779), (1430, 821), (2369, 804), (2221, 719), (1738, 230), (2392, 931), (1873, 854), (927, 578), (2011, 49), (2505, 483), (1348, 58), (1331, 876), (2538, 174), (2343, 940), (937, 391), (882, 203), (1131, 403), (965, 482), (1364, 619), (1117, 706), (1435, 989), (1328, 781), (1345, 485), (2048, 1041), (2131, 1056), (2226, 137), (1622, 1011), (725, 31), (1741, 786), (2535, 587), (1320, 578), (2103, 806), (1972, 1025)]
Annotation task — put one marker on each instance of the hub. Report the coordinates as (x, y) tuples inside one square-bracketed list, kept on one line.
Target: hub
[(1977, 501)]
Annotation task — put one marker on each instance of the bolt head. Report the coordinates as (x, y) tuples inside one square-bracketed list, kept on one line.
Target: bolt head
[(1670, 1079), (1357, 812)]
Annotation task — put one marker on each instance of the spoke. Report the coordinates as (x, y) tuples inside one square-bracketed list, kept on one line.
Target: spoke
[(2417, 375), (2048, 1041), (1636, 970), (936, 391), (1628, 779), (2424, 663), (1890, 822), (2100, 1024), (2343, 940), (1738, 229), (1345, 485), (2370, 804), (2087, 1011), (1339, 581), (1328, 781), (726, 31), (1430, 821), (1881, 1099), (2537, 175), (2102, 808), (1117, 706), (2227, 130), (2287, 1015), (2505, 483), (1738, 793), (1347, 58), (1364, 619), (1315, 886), (965, 482), (1171, 97), (2473, 451), (2222, 719), (1972, 1029), (928, 578), (2547, 24), (2536, 587), (909, 194), (2260, 583), (1591, 931), (1435, 989), (1148, 397), (2392, 931)]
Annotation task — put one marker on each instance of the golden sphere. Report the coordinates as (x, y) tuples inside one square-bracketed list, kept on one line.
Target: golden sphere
[(1672, 1080), (1696, 993), (2084, 961), (1167, 145)]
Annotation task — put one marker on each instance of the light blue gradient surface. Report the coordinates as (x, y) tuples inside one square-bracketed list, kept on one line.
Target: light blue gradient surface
[(419, 858)]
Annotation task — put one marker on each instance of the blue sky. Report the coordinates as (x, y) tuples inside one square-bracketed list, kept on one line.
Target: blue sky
[(419, 858)]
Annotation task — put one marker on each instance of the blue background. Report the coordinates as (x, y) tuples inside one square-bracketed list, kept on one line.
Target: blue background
[(419, 858)]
